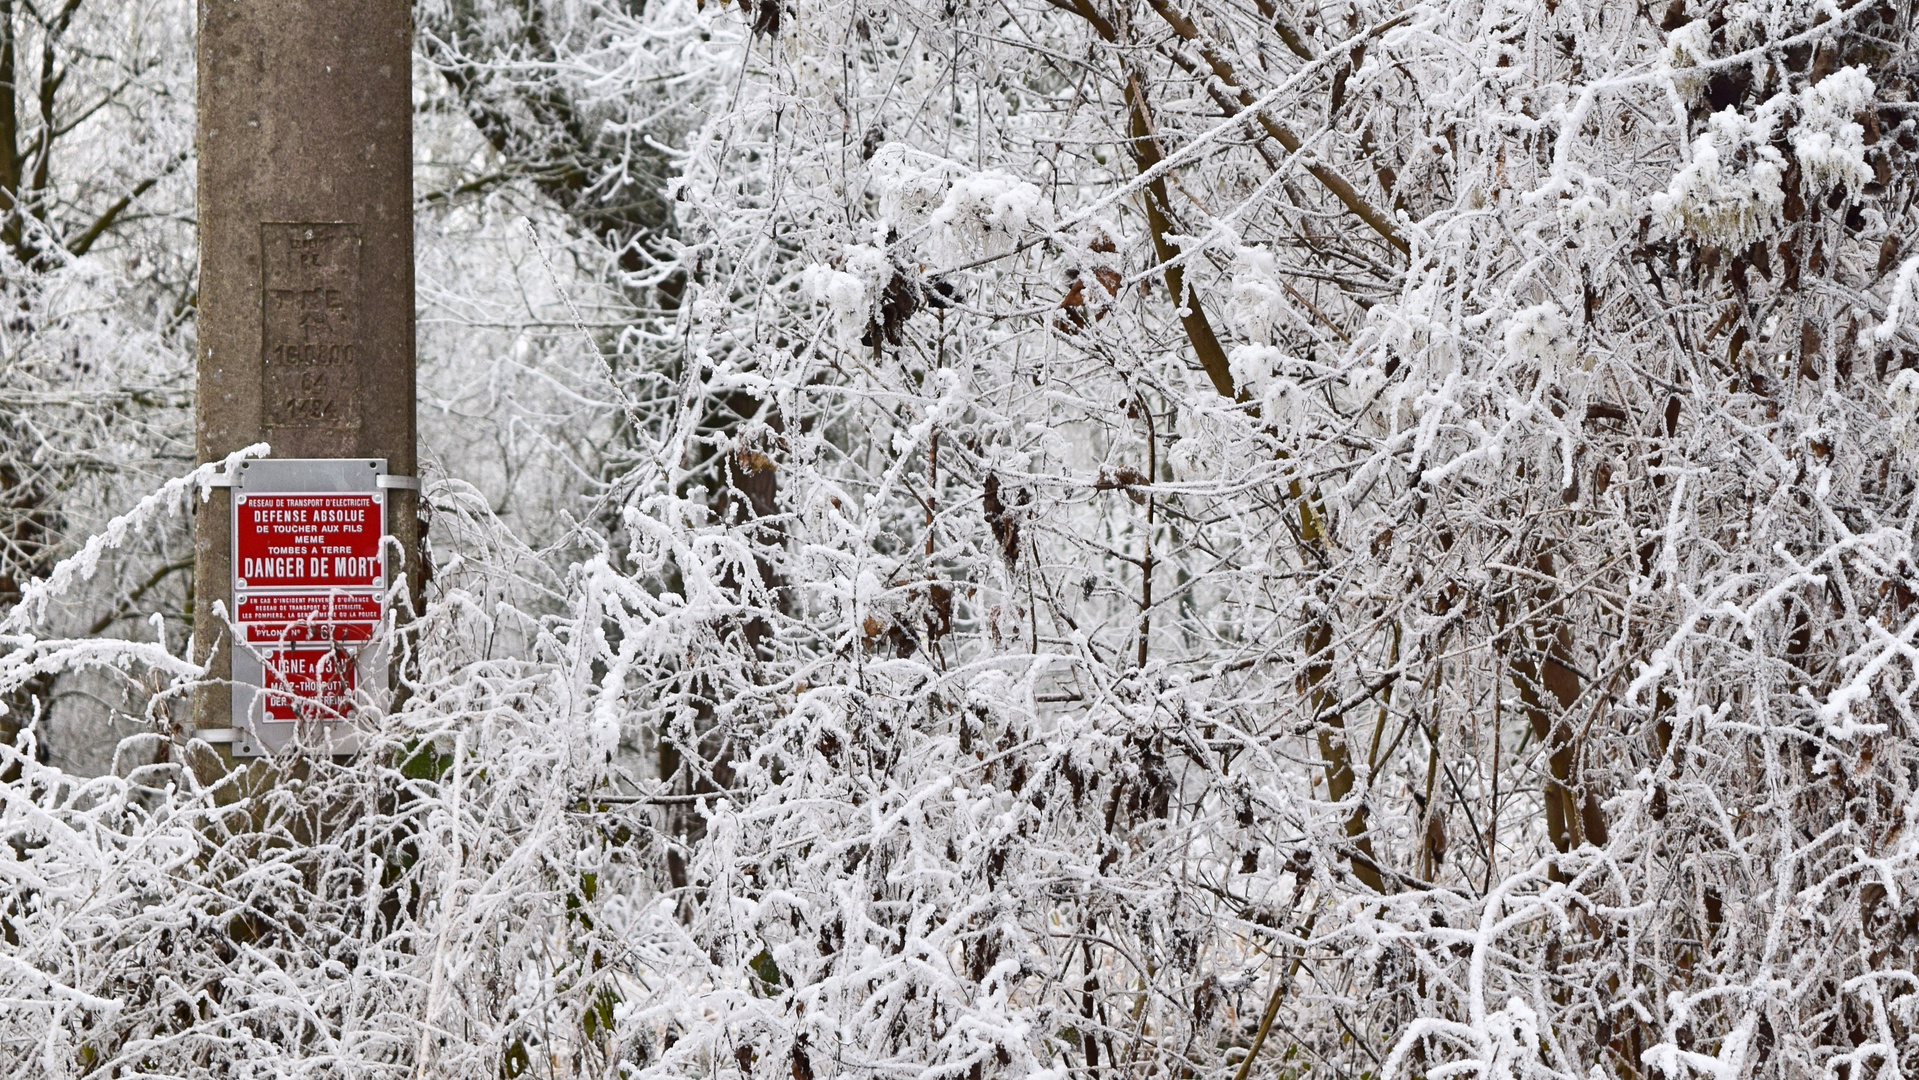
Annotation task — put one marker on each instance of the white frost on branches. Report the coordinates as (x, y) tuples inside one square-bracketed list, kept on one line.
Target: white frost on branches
[(902, 608), (1828, 142), (1730, 192)]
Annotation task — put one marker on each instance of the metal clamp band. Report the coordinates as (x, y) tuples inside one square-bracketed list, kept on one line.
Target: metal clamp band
[(216, 735), (404, 483)]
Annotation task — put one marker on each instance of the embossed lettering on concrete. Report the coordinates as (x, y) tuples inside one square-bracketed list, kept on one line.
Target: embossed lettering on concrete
[(310, 310)]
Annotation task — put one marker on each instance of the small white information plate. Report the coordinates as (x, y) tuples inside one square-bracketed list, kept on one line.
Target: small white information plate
[(309, 588)]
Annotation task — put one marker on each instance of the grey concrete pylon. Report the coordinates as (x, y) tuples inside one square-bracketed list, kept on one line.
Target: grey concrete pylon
[(306, 260)]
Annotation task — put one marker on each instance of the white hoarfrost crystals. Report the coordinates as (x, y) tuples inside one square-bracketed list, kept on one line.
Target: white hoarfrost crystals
[(1730, 194), (983, 215), (1905, 291), (1513, 1035), (1540, 337), (1485, 632), (1828, 142), (1259, 370), (1728, 1064), (1688, 47), (911, 185), (1258, 306), (1902, 393), (850, 293), (844, 295), (1591, 208), (1253, 366)]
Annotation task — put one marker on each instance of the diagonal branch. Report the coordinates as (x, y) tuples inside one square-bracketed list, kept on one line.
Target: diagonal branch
[(1222, 70), (126, 605), (52, 76), (1085, 10), (10, 163), (1192, 315), (535, 124), (1317, 679), (79, 245)]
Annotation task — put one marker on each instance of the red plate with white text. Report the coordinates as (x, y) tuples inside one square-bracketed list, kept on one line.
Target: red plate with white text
[(306, 541), (310, 684), (296, 618), (308, 592)]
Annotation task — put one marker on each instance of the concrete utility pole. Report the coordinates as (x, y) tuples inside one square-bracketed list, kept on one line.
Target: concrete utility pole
[(306, 262)]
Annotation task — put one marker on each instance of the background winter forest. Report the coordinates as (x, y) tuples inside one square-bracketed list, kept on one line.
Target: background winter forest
[(1018, 538)]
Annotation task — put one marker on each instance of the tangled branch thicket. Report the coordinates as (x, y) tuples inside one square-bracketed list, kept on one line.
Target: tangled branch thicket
[(1139, 540)]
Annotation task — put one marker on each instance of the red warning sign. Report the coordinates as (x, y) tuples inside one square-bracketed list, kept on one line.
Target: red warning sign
[(307, 541), (307, 595), (309, 684), (297, 618)]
